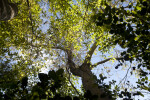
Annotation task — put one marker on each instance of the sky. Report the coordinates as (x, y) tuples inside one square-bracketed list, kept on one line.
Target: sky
[(108, 68)]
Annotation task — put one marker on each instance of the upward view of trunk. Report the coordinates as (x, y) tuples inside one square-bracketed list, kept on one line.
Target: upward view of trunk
[(88, 78), (89, 81)]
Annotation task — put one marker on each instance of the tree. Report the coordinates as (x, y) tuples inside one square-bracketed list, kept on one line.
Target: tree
[(76, 29), (14, 35), (130, 24), (8, 10)]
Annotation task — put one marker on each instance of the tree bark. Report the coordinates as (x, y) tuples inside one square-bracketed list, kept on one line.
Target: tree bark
[(89, 82), (7, 10)]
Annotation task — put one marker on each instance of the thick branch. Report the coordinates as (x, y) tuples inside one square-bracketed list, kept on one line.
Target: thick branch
[(74, 70), (72, 66), (90, 53), (55, 47), (101, 62)]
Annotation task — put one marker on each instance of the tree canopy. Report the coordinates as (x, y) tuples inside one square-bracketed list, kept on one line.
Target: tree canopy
[(63, 36)]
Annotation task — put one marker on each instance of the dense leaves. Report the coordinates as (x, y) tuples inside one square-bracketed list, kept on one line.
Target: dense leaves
[(65, 35), (47, 88), (130, 24)]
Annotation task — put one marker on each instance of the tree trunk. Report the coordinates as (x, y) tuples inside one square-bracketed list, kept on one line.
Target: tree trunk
[(7, 10), (88, 78), (89, 83)]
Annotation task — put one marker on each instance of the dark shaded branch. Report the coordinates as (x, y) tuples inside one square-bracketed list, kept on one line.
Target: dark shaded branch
[(30, 16), (101, 62)]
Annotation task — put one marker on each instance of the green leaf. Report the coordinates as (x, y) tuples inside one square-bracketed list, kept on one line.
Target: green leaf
[(143, 79), (43, 77), (52, 74), (138, 8), (60, 71), (140, 94), (146, 78)]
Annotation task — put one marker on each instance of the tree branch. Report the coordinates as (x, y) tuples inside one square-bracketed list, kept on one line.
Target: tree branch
[(90, 53), (125, 76), (101, 62), (71, 83), (75, 71)]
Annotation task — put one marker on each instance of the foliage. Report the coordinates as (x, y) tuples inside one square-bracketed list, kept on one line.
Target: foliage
[(129, 24), (76, 30), (51, 87), (14, 35)]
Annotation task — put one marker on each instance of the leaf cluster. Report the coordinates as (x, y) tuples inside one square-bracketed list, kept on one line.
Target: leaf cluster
[(130, 26), (49, 87)]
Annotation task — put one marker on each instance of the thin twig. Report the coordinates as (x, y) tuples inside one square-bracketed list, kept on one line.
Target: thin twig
[(124, 76), (71, 82)]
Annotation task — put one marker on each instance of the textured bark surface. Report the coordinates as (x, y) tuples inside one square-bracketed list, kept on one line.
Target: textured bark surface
[(89, 83), (7, 10), (88, 80)]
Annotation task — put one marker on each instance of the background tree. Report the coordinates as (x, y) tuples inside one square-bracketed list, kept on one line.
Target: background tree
[(7, 10), (15, 35)]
